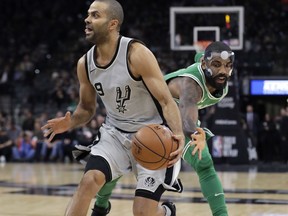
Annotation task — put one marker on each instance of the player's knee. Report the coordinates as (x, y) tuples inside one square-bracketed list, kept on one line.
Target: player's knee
[(98, 163), (91, 183), (93, 177)]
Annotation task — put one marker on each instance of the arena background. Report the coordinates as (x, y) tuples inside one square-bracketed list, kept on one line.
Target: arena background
[(40, 43)]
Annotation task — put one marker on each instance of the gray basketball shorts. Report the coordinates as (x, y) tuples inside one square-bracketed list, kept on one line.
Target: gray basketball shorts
[(115, 147)]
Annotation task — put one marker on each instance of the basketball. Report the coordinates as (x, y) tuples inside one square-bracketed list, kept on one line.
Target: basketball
[(152, 145)]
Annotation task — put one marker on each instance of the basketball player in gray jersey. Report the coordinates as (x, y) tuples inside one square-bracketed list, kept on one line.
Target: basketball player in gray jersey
[(198, 86), (128, 103), (126, 76)]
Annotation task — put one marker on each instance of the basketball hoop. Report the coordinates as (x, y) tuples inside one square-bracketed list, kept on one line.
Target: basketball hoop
[(200, 46)]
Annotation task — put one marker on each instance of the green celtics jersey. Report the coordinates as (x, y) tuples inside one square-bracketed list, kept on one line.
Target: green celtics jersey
[(196, 73)]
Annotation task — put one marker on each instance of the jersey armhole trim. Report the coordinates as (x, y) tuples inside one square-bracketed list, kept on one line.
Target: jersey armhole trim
[(127, 62), (86, 67)]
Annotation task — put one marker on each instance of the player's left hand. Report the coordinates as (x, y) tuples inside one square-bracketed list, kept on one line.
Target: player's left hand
[(199, 140), (176, 155), (57, 126)]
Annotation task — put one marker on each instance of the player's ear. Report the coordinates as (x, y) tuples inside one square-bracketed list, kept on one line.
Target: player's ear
[(230, 72), (114, 23), (203, 63)]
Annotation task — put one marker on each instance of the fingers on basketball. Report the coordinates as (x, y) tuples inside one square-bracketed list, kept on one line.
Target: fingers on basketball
[(152, 146)]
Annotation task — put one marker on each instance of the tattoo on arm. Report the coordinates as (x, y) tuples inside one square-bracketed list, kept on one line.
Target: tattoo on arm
[(190, 95)]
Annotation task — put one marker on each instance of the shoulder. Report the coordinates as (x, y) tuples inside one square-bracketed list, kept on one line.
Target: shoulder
[(137, 48), (82, 60), (141, 60), (82, 64), (185, 84), (82, 69), (190, 72)]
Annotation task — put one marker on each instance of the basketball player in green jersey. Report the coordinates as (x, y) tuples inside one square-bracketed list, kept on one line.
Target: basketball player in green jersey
[(196, 87)]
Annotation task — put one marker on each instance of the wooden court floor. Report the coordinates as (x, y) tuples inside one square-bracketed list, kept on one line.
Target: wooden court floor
[(44, 190)]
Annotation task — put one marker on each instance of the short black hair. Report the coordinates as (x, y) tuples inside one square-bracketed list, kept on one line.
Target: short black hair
[(115, 10), (217, 46)]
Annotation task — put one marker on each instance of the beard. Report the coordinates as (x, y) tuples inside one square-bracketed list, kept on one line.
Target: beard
[(97, 38), (212, 81), (99, 35)]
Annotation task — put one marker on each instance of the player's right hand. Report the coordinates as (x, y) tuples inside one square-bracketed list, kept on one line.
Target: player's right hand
[(176, 155), (199, 140), (56, 126)]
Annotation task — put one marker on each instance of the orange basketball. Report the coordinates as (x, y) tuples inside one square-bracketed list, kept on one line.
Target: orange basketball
[(152, 145)]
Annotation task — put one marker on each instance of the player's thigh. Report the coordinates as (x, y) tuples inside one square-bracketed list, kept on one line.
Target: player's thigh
[(114, 152)]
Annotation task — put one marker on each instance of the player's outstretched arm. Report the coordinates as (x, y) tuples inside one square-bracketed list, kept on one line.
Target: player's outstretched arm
[(189, 94), (84, 110)]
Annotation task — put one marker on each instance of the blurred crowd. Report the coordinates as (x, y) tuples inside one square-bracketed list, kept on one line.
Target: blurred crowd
[(23, 141), (269, 136), (40, 43)]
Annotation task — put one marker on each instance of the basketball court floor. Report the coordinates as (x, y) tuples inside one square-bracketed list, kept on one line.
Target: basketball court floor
[(38, 189)]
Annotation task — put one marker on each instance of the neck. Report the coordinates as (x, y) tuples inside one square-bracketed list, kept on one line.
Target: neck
[(106, 51), (210, 88)]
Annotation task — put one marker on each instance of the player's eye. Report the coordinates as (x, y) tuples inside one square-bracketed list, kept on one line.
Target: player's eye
[(229, 65), (216, 64), (95, 14)]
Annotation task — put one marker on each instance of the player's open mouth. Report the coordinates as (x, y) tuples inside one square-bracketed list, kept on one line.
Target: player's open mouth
[(88, 30), (221, 79)]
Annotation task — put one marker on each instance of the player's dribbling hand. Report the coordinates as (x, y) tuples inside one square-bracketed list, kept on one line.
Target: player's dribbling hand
[(56, 126), (176, 155), (199, 140)]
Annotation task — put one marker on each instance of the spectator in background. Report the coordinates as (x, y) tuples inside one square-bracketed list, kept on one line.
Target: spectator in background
[(73, 100), (43, 118), (59, 96), (13, 131), (252, 151), (27, 66), (28, 120), (253, 124), (67, 143), (52, 150), (24, 151), (38, 140), (269, 139)]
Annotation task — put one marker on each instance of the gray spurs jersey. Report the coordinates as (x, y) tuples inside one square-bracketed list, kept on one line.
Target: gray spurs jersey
[(129, 104)]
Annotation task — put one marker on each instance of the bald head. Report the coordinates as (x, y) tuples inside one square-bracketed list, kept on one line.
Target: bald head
[(114, 11)]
